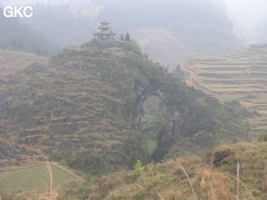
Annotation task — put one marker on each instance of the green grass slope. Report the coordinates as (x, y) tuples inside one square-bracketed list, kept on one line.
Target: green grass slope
[(32, 178)]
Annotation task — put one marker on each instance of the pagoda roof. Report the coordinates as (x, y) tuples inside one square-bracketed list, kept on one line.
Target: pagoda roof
[(104, 26), (104, 33), (104, 22)]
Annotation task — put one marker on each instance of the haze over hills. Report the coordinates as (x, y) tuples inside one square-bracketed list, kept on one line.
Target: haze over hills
[(246, 18), (14, 35), (193, 27), (200, 26), (104, 106), (258, 36), (249, 19)]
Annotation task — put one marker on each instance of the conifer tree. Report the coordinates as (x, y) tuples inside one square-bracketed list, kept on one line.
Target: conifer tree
[(127, 37)]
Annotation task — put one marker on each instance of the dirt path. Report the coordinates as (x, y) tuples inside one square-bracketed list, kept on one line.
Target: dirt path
[(69, 171)]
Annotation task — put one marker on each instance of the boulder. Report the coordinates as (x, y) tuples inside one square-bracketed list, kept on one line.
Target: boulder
[(218, 156)]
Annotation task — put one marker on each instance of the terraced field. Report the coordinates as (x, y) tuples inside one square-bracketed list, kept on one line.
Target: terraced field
[(242, 77), (31, 178)]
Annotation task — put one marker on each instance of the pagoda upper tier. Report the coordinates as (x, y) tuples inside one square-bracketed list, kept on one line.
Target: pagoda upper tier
[(104, 32)]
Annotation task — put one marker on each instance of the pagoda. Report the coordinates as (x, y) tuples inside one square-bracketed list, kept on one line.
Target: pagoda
[(104, 32)]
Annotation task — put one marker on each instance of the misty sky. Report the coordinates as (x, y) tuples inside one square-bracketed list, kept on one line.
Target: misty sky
[(245, 14), (242, 11), (51, 2)]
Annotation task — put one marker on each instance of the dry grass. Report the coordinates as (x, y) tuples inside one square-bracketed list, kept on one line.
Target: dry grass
[(238, 182), (184, 178), (195, 196), (213, 185), (237, 179), (50, 195)]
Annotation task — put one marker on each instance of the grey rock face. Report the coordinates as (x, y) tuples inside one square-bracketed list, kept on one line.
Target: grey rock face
[(218, 156)]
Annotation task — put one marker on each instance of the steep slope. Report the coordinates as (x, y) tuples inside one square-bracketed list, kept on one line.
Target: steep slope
[(11, 62), (193, 178), (84, 108), (241, 76)]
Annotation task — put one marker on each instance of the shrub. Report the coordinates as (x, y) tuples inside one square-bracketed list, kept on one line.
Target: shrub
[(262, 137), (138, 167), (256, 192)]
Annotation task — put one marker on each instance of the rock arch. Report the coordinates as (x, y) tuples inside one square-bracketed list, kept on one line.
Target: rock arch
[(174, 121), (189, 112)]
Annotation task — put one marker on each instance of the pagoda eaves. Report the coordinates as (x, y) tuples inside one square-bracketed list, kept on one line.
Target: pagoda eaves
[(104, 32)]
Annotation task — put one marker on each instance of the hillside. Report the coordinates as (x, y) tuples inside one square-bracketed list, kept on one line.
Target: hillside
[(241, 76), (163, 45), (228, 172), (85, 107), (14, 61)]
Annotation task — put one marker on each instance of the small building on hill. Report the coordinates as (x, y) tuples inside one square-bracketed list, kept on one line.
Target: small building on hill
[(104, 32)]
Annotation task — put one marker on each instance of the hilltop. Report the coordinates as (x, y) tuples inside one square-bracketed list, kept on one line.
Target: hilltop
[(84, 108), (241, 77)]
